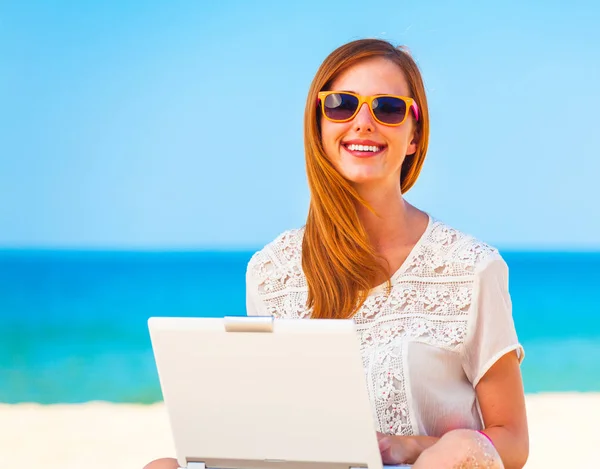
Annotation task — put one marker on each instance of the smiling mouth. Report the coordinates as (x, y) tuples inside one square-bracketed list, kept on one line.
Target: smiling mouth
[(364, 151)]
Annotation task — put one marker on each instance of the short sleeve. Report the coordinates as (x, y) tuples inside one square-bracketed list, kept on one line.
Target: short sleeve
[(491, 332), (254, 306)]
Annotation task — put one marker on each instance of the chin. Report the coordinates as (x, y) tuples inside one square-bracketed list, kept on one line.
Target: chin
[(360, 179), (362, 171)]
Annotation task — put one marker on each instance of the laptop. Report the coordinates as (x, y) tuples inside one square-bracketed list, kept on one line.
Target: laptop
[(265, 393)]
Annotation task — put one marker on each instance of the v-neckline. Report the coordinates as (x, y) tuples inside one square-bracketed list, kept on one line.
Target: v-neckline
[(411, 255)]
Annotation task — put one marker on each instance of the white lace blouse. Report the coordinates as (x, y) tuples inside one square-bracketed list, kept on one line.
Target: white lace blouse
[(425, 347)]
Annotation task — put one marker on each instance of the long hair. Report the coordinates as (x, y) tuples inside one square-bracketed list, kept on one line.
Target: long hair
[(340, 264)]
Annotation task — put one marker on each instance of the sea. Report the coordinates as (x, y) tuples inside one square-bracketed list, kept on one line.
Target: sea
[(73, 324)]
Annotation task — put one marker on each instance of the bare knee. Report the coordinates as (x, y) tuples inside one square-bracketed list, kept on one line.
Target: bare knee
[(163, 463), (461, 449)]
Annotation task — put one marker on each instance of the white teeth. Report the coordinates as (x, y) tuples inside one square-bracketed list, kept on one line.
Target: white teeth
[(373, 148)]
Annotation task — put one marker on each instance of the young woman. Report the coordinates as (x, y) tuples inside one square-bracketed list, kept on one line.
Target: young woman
[(431, 304)]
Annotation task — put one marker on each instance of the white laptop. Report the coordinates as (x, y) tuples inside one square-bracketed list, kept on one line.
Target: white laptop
[(264, 393)]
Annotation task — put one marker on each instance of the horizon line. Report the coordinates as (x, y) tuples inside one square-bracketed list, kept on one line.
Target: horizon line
[(580, 249)]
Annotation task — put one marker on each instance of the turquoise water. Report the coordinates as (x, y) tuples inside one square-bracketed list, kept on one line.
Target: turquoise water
[(73, 324)]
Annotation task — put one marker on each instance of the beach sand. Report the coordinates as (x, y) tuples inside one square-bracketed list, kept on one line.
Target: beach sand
[(563, 434)]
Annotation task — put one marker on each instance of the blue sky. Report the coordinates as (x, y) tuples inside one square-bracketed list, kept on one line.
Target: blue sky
[(117, 124)]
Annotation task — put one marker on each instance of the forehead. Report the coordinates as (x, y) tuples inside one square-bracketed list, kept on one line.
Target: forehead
[(373, 76)]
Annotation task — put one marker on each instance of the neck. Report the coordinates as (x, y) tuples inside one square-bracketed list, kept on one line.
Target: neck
[(390, 225)]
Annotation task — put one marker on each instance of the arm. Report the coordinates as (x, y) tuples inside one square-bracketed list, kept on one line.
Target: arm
[(502, 402), (492, 356)]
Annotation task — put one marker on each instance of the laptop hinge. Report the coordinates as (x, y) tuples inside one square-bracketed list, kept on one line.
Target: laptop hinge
[(202, 465), (248, 323)]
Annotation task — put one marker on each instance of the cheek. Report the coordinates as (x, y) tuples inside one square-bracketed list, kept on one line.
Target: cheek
[(331, 134), (398, 136), (327, 132)]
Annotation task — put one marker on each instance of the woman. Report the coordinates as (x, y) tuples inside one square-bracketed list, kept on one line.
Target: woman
[(431, 304)]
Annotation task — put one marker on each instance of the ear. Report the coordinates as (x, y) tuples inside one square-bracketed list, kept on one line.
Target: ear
[(414, 142)]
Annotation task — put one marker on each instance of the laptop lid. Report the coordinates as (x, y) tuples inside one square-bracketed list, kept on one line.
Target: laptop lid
[(259, 392)]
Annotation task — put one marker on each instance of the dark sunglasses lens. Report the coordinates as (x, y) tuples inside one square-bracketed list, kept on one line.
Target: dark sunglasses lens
[(340, 106), (389, 110)]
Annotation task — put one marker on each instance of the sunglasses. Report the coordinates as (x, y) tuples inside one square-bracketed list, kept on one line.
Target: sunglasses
[(387, 109)]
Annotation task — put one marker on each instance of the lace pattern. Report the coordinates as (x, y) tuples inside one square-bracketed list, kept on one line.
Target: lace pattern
[(429, 302)]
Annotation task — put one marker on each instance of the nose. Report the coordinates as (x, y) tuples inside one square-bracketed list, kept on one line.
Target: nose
[(363, 121)]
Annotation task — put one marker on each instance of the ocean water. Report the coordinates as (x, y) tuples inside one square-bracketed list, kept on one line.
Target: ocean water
[(73, 324)]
